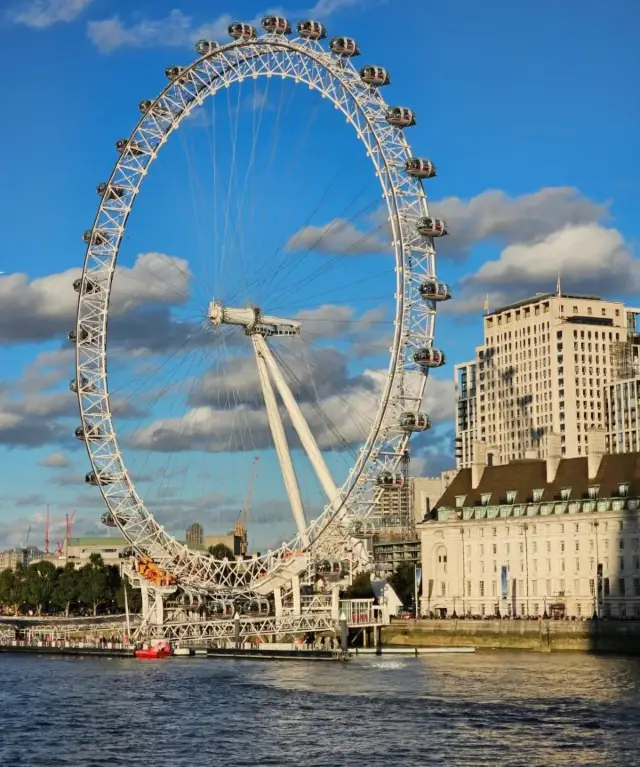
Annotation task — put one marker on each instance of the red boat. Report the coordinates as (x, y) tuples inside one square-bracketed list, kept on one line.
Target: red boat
[(152, 653)]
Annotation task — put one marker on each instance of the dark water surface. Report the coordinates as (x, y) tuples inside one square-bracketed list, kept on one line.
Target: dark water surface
[(485, 709)]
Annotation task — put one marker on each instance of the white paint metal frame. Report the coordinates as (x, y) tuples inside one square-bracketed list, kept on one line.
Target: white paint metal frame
[(335, 79)]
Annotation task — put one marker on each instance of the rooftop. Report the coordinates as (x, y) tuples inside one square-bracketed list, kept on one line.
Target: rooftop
[(526, 475), (541, 297)]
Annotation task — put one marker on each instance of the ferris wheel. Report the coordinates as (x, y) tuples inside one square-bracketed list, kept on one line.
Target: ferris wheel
[(349, 505)]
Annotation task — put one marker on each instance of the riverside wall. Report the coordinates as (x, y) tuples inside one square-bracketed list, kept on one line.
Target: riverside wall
[(599, 636)]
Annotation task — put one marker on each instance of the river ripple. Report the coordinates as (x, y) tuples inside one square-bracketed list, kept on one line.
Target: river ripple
[(461, 711)]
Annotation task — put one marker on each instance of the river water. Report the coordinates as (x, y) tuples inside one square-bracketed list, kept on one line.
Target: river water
[(485, 709)]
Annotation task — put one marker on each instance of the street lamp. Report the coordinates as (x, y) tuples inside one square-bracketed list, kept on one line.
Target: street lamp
[(463, 570), (526, 564)]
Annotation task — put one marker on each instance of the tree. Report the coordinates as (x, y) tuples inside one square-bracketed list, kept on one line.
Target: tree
[(134, 597), (403, 583), (220, 551), (67, 587), (39, 585), (94, 584), (360, 588), (11, 588)]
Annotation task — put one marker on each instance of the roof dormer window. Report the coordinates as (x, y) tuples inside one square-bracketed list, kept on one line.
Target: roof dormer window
[(511, 496), (565, 493), (537, 495), (593, 491), (485, 498), (623, 490), (460, 501)]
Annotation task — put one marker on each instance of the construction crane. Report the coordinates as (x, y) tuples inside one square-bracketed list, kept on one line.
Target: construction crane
[(242, 523)]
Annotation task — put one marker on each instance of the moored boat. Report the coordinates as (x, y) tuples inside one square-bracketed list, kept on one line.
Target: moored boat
[(153, 652)]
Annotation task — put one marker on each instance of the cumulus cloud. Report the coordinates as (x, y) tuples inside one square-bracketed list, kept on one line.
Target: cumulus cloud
[(589, 259), (39, 309), (338, 236), (496, 217), (40, 14)]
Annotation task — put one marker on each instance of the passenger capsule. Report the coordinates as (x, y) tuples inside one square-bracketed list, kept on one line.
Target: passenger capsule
[(110, 191), (130, 146), (390, 479), (91, 433), (96, 237), (420, 167), (311, 30), (85, 386), (241, 31), (376, 76), (344, 46), (432, 227), (145, 105), (173, 73), (276, 25), (435, 291), (102, 479), (410, 421), (108, 519), (89, 285), (203, 47), (401, 117), (429, 357), (84, 336)]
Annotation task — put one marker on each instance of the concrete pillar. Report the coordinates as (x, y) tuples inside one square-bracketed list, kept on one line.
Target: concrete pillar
[(295, 584), (277, 598), (159, 609), (335, 603)]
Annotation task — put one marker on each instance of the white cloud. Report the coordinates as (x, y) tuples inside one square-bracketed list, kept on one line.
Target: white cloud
[(58, 460), (338, 236), (34, 310), (40, 14), (589, 259), (495, 216), (174, 31)]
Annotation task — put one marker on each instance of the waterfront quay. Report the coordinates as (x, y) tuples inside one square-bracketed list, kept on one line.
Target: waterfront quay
[(595, 636)]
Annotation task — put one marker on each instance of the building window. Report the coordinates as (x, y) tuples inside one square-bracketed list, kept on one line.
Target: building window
[(481, 588), (607, 589), (485, 498), (511, 496), (537, 495), (623, 490), (468, 588), (621, 587), (565, 493), (460, 501), (592, 587)]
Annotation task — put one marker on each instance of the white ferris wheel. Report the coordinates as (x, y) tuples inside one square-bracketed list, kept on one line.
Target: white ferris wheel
[(413, 292)]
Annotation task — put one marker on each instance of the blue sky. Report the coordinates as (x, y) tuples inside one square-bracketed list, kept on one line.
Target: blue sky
[(529, 111)]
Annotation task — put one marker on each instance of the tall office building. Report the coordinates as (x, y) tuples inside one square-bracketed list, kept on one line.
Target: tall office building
[(621, 395), (541, 369), (195, 536)]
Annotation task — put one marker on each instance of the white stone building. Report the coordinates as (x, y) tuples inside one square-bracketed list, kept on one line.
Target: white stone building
[(540, 369), (560, 536)]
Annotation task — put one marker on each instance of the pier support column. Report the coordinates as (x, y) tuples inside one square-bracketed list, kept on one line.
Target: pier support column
[(159, 611), (335, 603), (295, 585), (277, 598)]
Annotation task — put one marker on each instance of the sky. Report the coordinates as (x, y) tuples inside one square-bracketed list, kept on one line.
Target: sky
[(529, 111)]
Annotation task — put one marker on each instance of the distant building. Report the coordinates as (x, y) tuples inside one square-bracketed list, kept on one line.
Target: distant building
[(540, 369), (231, 540), (79, 550), (389, 555), (17, 555), (195, 536), (559, 536)]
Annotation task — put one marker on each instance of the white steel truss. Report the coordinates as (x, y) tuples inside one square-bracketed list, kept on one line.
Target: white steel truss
[(331, 533)]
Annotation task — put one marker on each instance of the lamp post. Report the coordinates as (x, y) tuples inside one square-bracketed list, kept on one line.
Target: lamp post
[(463, 570), (598, 584), (526, 565)]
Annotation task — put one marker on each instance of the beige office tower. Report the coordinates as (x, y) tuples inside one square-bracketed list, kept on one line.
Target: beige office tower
[(542, 368)]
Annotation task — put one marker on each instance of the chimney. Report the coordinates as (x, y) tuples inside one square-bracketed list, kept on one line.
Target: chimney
[(478, 463), (595, 450), (554, 455)]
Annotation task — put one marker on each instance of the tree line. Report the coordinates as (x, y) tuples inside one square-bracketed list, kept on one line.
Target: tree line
[(44, 589)]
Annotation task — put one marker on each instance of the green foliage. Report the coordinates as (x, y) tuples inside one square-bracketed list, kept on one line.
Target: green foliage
[(360, 588), (44, 588), (220, 551), (403, 583)]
